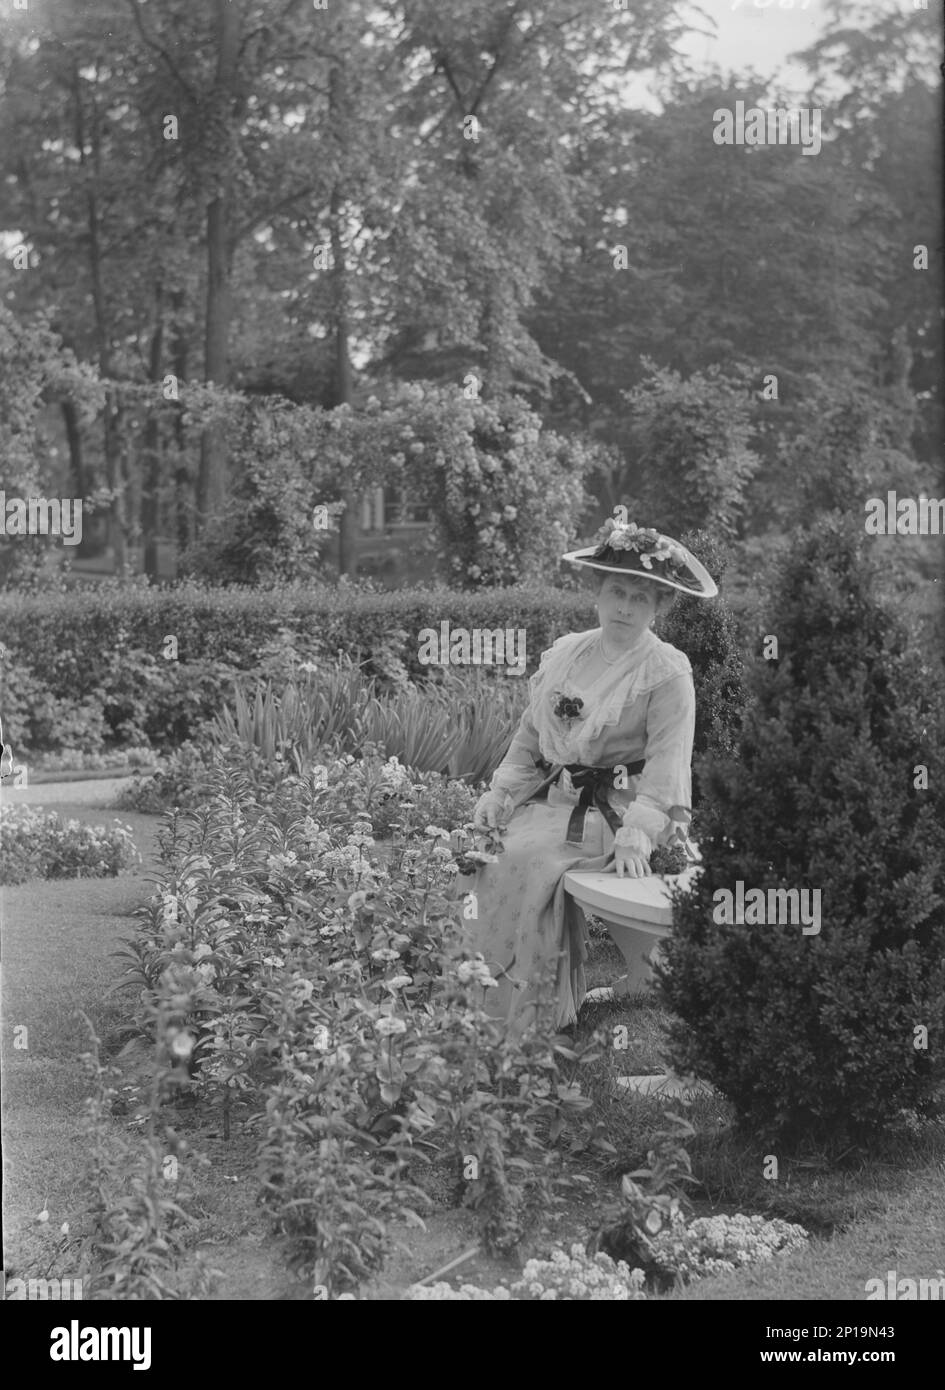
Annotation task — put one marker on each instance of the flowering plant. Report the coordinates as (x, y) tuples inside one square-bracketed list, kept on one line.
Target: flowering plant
[(722, 1244), (39, 844), (575, 1277), (473, 847), (669, 859)]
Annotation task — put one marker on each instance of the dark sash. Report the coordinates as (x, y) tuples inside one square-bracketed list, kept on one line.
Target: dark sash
[(593, 784)]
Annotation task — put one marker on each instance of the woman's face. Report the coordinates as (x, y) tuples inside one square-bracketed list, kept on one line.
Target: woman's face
[(626, 607)]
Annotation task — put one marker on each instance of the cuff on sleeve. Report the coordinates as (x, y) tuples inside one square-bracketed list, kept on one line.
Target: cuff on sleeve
[(637, 840), (645, 818)]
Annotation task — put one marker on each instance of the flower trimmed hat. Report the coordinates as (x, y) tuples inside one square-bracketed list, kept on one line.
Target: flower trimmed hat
[(643, 551)]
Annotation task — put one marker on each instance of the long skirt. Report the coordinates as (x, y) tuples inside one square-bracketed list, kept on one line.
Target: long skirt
[(531, 933)]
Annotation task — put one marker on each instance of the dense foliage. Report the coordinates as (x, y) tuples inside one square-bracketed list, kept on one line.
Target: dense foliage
[(255, 218), (834, 787), (40, 844), (99, 669)]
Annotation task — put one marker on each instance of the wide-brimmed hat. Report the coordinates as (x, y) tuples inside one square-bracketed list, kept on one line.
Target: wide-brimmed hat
[(642, 551)]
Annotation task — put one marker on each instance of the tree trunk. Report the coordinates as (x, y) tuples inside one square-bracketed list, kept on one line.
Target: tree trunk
[(184, 498), (211, 482), (151, 487), (111, 434), (70, 418), (343, 384)]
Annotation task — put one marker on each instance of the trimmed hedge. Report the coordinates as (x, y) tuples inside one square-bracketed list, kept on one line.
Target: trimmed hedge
[(86, 669), (69, 639)]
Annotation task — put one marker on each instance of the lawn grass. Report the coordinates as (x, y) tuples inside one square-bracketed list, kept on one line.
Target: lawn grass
[(57, 939), (905, 1233)]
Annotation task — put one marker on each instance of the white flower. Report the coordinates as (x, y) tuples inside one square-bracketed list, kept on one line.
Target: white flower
[(388, 1026), (202, 950), (478, 856), (475, 970), (182, 1045), (385, 954), (436, 832), (399, 982), (275, 961)]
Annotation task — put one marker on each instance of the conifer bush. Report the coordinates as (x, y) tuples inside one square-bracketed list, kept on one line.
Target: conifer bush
[(823, 1032)]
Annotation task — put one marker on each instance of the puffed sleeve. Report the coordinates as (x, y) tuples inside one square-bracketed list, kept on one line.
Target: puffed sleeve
[(666, 780), (518, 773)]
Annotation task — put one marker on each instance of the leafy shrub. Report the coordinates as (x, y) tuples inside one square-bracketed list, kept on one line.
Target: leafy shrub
[(379, 789), (135, 1213), (505, 493), (39, 844), (73, 641), (706, 630), (690, 445), (818, 1032), (134, 758), (89, 671), (40, 719), (293, 966), (484, 466), (35, 368)]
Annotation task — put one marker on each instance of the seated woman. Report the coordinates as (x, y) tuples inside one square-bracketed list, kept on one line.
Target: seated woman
[(597, 773)]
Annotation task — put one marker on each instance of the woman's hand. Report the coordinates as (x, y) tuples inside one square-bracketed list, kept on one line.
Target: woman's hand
[(630, 862), (632, 849), (493, 811)]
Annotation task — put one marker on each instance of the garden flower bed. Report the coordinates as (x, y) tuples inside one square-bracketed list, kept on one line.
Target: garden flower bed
[(313, 991), (39, 844)]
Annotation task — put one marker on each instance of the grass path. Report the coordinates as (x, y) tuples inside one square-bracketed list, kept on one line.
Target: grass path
[(57, 940), (58, 937)]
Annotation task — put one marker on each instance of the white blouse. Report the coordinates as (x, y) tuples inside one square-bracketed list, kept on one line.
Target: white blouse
[(641, 708)]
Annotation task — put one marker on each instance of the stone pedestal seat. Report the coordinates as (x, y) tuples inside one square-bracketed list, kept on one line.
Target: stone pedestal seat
[(638, 913)]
